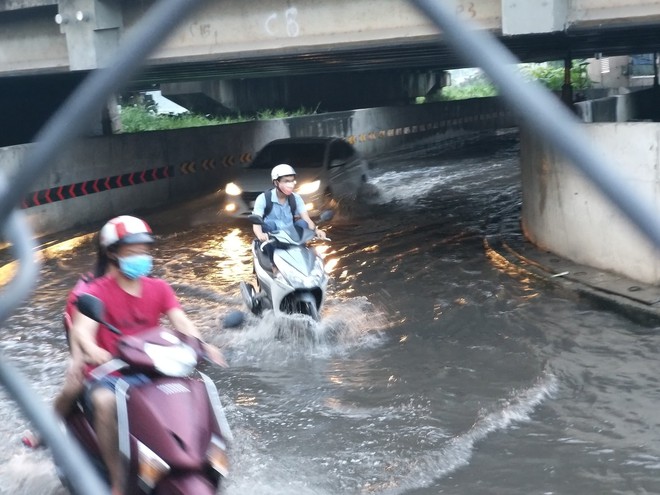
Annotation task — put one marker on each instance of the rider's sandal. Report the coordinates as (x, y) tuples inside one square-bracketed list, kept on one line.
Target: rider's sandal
[(32, 440)]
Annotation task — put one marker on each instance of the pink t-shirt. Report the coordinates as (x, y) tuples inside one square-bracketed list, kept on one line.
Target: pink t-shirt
[(129, 313), (72, 299)]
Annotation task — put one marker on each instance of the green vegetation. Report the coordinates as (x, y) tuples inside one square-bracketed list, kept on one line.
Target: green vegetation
[(138, 118), (142, 116), (473, 89), (549, 74), (282, 114)]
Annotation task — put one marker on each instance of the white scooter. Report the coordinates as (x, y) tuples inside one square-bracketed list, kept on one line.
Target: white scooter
[(294, 281)]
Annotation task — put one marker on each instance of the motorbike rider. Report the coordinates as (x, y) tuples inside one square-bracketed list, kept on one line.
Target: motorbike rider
[(281, 216), (133, 303)]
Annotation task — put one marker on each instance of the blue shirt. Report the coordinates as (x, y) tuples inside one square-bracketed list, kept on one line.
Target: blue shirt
[(280, 215)]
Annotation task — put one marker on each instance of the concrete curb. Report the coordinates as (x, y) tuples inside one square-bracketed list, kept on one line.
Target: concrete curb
[(637, 301)]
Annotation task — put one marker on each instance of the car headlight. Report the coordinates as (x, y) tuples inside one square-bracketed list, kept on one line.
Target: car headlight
[(232, 189), (309, 187)]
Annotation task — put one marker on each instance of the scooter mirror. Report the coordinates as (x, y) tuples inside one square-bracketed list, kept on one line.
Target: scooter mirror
[(256, 219), (92, 307)]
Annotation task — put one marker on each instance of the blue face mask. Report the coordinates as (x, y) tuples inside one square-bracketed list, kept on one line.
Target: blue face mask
[(137, 265)]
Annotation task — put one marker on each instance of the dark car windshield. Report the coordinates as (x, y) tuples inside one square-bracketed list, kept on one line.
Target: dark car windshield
[(298, 155)]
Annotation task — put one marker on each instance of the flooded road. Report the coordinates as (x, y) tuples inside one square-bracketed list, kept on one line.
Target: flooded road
[(433, 370)]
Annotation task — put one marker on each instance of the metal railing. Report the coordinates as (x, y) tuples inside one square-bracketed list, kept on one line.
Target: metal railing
[(535, 105)]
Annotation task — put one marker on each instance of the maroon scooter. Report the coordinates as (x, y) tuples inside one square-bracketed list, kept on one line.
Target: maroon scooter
[(173, 433)]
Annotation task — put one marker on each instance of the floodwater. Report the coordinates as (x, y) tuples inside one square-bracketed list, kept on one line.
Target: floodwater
[(435, 369)]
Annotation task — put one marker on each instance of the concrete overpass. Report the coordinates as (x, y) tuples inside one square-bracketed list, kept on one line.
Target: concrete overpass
[(247, 55), (248, 38)]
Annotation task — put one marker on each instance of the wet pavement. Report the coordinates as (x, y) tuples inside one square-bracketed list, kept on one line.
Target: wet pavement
[(635, 300), (438, 366)]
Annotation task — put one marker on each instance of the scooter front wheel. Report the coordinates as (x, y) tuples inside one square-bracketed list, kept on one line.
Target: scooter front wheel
[(310, 310), (250, 298), (304, 304)]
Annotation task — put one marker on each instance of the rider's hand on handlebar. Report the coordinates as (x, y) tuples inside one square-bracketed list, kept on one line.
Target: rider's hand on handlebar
[(96, 355), (320, 234), (263, 237)]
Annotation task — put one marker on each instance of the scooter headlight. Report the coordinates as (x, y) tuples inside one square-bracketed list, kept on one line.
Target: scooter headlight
[(290, 276), (217, 456), (233, 189), (151, 468), (172, 360), (309, 187)]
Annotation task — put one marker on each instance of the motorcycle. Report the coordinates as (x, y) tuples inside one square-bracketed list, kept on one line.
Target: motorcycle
[(294, 281), (173, 433)]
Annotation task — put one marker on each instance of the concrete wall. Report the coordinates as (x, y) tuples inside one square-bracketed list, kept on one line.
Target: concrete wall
[(100, 177), (615, 108), (565, 214), (640, 104)]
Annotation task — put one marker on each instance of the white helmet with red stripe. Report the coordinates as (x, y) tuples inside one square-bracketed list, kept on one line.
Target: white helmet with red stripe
[(125, 229)]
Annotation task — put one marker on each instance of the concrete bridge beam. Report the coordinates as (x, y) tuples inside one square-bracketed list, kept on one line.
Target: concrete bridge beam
[(534, 16), (327, 92), (238, 29)]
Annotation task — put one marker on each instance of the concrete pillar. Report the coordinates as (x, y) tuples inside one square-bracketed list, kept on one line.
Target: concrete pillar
[(92, 29), (566, 214), (534, 16)]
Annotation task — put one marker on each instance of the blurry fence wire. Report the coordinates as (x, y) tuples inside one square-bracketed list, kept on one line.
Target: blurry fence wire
[(65, 125), (534, 104)]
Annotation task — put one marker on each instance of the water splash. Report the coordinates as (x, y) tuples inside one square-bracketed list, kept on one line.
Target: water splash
[(32, 473), (346, 325)]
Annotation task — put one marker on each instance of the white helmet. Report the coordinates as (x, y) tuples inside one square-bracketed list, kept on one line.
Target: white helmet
[(125, 229), (281, 170)]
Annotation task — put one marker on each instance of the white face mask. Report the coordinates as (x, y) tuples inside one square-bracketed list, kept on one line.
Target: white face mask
[(287, 187)]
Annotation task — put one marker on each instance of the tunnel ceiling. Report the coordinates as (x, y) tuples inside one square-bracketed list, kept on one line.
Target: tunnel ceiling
[(428, 55)]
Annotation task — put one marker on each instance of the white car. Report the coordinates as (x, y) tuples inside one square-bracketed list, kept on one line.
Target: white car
[(328, 170)]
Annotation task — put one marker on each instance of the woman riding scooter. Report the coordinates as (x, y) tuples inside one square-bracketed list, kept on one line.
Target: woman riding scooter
[(134, 303)]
